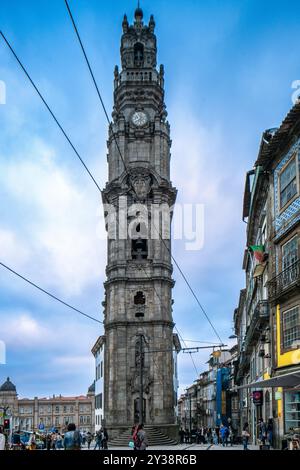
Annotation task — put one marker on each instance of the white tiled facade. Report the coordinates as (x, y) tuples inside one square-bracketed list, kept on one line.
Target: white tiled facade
[(98, 352)]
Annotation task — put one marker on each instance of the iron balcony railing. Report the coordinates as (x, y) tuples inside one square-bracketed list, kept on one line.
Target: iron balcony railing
[(259, 318), (287, 279)]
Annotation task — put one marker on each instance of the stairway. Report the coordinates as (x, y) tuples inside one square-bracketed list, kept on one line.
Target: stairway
[(154, 435)]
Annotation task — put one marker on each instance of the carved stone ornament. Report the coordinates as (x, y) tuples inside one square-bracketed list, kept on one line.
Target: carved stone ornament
[(141, 183)]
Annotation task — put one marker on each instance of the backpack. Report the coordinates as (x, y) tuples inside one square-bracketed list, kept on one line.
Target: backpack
[(136, 439)]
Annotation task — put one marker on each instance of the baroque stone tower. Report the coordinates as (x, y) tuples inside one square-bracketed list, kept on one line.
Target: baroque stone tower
[(138, 289)]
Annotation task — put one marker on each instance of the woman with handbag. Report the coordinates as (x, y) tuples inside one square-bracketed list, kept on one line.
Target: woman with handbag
[(245, 436)]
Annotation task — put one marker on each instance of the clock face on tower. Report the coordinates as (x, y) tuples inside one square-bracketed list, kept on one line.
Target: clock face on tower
[(139, 118)]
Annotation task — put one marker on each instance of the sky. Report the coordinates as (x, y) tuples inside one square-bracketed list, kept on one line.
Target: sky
[(229, 69)]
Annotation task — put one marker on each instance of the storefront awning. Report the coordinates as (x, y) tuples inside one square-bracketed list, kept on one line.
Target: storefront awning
[(290, 380)]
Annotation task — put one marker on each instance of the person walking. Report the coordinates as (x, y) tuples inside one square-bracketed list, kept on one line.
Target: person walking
[(231, 435), (245, 436), (140, 438), (104, 439), (224, 434), (262, 431), (98, 439), (270, 431), (58, 442), (32, 441), (72, 438), (89, 439), (2, 439)]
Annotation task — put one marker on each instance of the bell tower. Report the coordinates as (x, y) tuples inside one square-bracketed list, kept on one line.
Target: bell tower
[(138, 291)]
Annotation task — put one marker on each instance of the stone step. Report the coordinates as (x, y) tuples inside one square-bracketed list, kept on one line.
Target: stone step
[(154, 435)]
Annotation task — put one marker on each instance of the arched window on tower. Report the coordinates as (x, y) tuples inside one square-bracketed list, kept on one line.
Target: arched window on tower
[(139, 298), (139, 302), (139, 249), (138, 54)]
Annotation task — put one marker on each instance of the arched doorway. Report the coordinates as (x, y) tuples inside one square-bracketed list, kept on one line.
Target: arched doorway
[(137, 410)]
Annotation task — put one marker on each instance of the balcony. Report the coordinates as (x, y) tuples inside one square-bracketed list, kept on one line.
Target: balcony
[(242, 366), (258, 320), (287, 281)]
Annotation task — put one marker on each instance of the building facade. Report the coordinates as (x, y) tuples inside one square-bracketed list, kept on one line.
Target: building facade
[(47, 414), (267, 320), (138, 291), (98, 353), (210, 400)]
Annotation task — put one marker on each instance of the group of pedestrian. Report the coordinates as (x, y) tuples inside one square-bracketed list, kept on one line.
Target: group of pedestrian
[(223, 434), (72, 439), (265, 431), (101, 439)]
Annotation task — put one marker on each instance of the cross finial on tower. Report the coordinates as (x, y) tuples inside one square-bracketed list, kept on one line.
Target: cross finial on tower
[(138, 14)]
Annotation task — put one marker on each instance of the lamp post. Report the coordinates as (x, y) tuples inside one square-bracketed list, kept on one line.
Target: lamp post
[(189, 399)]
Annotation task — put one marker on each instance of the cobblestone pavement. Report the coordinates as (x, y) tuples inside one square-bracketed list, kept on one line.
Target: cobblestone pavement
[(191, 447)]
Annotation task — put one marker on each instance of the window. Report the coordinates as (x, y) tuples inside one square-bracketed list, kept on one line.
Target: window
[(289, 253), (71, 409), (139, 299), (101, 369), (139, 249), (292, 410), (81, 420), (288, 183), (57, 421), (65, 409), (138, 54), (291, 327), (57, 409), (98, 402)]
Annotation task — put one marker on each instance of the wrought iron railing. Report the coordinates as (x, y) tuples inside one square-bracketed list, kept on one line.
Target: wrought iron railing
[(288, 278)]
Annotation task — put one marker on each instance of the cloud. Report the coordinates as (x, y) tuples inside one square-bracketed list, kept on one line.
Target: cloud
[(60, 224), (11, 248), (21, 330), (72, 361)]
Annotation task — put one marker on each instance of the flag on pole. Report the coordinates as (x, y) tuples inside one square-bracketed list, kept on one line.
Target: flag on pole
[(258, 251)]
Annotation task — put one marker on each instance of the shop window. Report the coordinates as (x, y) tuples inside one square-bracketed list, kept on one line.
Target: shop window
[(291, 410)]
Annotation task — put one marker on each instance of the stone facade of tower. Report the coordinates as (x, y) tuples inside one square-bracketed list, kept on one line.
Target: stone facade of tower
[(138, 289)]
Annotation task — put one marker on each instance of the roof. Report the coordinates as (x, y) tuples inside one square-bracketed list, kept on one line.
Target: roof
[(8, 386), (176, 342), (56, 399), (274, 139), (100, 341), (92, 387)]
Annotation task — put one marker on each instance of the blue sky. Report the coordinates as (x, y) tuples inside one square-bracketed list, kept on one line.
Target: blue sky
[(229, 68)]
